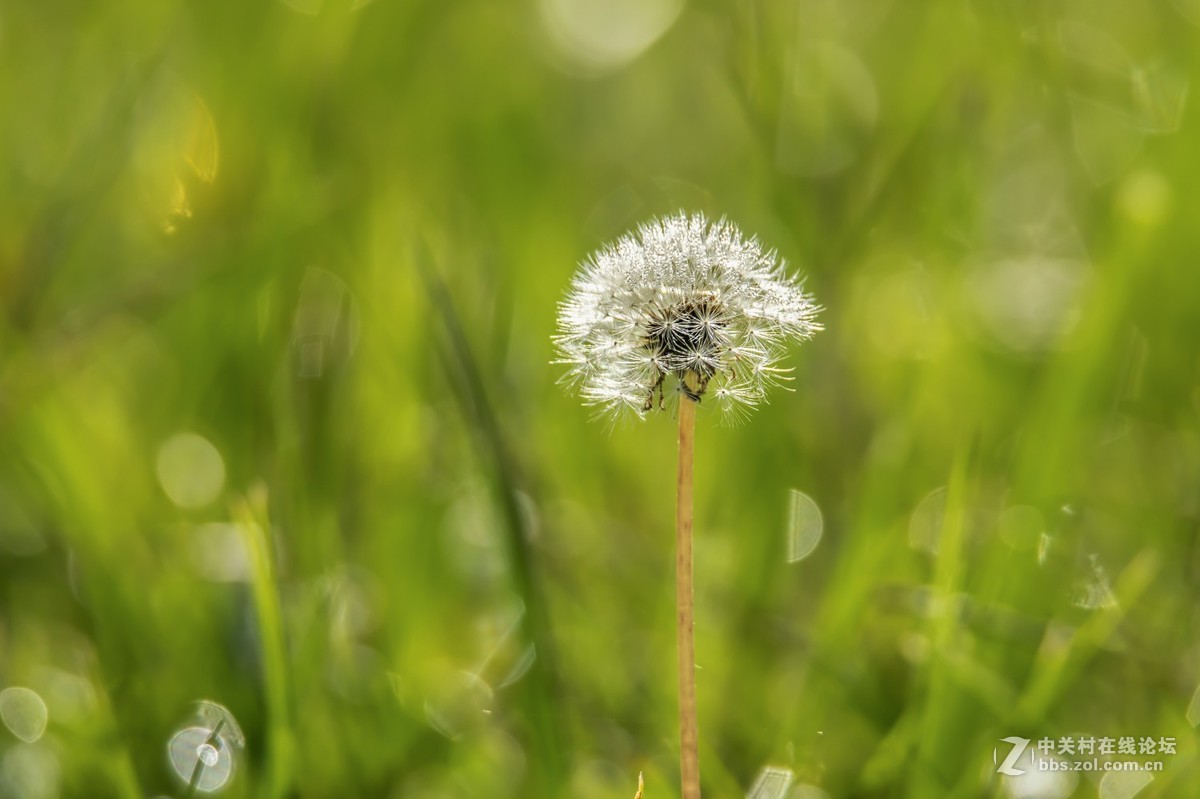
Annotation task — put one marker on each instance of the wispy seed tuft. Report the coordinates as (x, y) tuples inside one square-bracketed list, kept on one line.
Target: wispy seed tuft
[(681, 307)]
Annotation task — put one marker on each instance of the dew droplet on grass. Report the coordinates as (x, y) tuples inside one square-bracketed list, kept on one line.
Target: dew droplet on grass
[(208, 754), (196, 759), (204, 755)]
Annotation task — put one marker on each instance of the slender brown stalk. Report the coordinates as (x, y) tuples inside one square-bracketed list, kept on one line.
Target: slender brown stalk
[(689, 758)]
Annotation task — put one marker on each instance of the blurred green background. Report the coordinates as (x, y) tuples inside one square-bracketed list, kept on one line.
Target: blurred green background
[(279, 427)]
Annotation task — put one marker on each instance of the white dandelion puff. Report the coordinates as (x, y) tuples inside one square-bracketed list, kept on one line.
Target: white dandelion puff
[(683, 306)]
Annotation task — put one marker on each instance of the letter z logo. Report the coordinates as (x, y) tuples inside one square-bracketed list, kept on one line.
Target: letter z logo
[(1018, 749)]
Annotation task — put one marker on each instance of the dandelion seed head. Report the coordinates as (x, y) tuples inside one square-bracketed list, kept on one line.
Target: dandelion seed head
[(681, 307)]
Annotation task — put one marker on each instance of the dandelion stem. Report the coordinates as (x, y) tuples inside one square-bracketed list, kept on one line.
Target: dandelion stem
[(689, 758)]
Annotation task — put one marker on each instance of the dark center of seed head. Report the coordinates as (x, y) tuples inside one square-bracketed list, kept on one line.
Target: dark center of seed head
[(680, 334)]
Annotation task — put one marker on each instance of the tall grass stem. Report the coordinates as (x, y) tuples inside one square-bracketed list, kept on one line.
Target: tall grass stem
[(255, 527)]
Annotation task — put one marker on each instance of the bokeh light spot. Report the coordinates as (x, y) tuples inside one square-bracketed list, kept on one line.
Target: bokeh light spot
[(190, 470), (1094, 592), (327, 325), (522, 666), (1035, 783), (1143, 197), (219, 552), (1123, 784), (217, 717), (600, 35), (202, 150), (772, 782), (914, 647), (1028, 302), (204, 755), (23, 712), (72, 697), (461, 703), (195, 759), (208, 754), (176, 150), (805, 526), (29, 772)]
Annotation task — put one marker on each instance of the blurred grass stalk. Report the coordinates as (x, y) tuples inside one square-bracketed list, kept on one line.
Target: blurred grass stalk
[(254, 524), (121, 766), (479, 414)]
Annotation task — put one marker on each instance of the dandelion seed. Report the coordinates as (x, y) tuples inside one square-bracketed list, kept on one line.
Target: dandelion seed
[(684, 308), (681, 307)]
